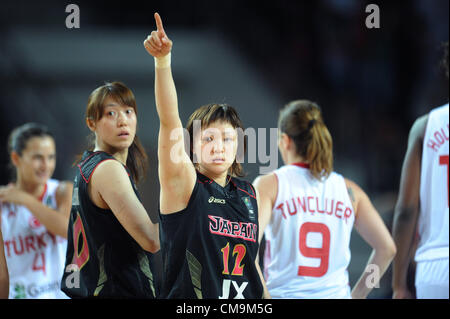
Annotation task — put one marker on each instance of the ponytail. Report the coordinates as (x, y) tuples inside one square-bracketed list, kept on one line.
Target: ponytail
[(137, 160), (302, 121)]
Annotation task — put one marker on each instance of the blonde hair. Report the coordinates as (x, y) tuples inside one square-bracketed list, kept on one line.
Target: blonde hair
[(302, 121)]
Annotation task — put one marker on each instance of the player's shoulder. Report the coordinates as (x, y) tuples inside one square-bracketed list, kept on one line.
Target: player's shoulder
[(266, 180), (417, 131), (109, 167), (91, 160), (355, 192), (63, 188), (100, 164), (351, 183), (440, 110)]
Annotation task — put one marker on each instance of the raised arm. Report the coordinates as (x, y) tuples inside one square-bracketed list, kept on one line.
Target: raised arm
[(55, 220), (110, 187), (372, 229), (4, 277), (407, 209), (177, 174)]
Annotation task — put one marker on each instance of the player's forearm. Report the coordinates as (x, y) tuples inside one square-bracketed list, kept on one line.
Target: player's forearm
[(166, 97), (4, 288), (376, 266), (56, 222), (403, 233), (266, 294), (4, 281), (4, 276)]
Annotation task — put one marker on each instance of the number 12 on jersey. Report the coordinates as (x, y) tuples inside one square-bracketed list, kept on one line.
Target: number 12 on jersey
[(239, 250)]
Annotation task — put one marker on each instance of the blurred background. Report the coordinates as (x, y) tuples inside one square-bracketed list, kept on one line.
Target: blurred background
[(253, 55)]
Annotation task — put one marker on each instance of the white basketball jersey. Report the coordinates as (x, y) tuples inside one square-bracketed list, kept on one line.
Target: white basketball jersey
[(35, 257), (433, 223), (308, 237)]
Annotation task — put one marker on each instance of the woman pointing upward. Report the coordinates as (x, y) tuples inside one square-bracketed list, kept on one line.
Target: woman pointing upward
[(209, 217)]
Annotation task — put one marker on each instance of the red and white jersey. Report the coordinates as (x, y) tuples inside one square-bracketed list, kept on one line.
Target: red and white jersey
[(433, 219), (35, 257), (308, 237)]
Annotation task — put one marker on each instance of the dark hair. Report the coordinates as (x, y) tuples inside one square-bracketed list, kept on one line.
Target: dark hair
[(19, 137), (302, 121), (137, 160), (209, 114), (444, 61)]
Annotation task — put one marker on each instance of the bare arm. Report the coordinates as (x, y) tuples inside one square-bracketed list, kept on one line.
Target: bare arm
[(4, 276), (111, 183), (407, 209), (372, 229), (177, 174), (266, 191), (267, 187), (55, 220)]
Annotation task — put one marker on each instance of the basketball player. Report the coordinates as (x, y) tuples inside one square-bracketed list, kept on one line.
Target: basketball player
[(4, 276), (110, 231), (209, 218), (422, 207), (34, 215), (308, 212)]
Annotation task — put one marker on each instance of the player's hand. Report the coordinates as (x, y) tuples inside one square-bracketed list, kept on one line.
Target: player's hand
[(157, 43), (12, 194)]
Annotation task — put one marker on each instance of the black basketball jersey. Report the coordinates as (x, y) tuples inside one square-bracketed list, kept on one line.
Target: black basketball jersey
[(209, 248), (110, 262)]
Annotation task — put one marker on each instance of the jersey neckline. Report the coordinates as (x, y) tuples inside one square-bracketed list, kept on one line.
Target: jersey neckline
[(41, 197), (210, 181), (301, 164)]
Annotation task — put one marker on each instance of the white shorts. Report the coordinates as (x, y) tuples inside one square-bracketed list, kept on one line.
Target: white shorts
[(432, 279)]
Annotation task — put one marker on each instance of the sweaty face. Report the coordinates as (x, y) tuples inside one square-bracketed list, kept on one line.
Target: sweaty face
[(37, 162), (117, 127), (217, 145)]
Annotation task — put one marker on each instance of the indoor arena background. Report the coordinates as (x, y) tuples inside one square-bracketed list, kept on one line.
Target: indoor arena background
[(254, 55)]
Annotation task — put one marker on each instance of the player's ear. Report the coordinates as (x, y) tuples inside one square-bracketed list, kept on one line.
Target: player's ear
[(90, 124), (15, 158), (285, 141)]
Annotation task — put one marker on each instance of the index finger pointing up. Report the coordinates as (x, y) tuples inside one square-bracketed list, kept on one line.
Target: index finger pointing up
[(159, 25)]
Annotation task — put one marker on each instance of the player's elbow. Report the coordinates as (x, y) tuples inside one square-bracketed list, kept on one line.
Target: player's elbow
[(391, 250), (405, 213), (151, 245), (388, 249)]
